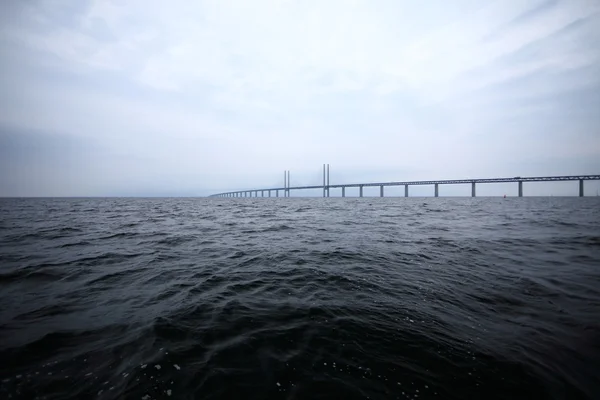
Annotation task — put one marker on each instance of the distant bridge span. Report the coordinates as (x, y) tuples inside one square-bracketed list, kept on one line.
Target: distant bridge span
[(286, 189)]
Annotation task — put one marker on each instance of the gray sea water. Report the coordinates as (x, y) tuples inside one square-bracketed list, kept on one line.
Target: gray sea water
[(393, 298)]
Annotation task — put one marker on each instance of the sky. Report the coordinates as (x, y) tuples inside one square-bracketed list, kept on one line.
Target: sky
[(191, 98)]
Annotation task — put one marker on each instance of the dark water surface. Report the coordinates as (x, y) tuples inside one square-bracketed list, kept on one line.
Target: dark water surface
[(300, 298)]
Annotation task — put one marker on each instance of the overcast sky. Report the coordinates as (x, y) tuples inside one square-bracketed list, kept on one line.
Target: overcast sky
[(132, 97)]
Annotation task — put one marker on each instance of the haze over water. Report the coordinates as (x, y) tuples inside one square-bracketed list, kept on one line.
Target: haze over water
[(296, 298)]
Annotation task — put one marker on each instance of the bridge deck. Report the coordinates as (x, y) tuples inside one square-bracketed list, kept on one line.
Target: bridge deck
[(436, 182)]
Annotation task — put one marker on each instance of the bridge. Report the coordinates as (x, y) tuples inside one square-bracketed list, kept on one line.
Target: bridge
[(326, 186)]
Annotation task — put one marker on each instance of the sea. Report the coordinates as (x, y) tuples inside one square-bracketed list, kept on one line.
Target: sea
[(300, 298)]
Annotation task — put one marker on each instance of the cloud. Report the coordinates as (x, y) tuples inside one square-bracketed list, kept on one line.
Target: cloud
[(224, 94)]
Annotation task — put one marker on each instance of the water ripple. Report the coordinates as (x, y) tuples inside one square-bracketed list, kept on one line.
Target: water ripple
[(299, 298)]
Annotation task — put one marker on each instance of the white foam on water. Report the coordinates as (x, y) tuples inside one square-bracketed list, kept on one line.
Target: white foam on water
[(177, 367)]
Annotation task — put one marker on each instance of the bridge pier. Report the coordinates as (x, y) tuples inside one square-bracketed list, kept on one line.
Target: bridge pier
[(473, 189), (276, 193), (520, 188), (436, 190), (405, 190), (361, 191), (581, 188), (343, 191), (381, 191)]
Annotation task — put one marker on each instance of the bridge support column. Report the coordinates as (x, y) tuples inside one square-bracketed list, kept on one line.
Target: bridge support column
[(328, 180), (277, 193), (262, 193), (473, 189), (520, 188), (269, 193), (343, 191), (381, 191), (361, 191), (581, 188), (324, 181), (436, 190), (405, 190)]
